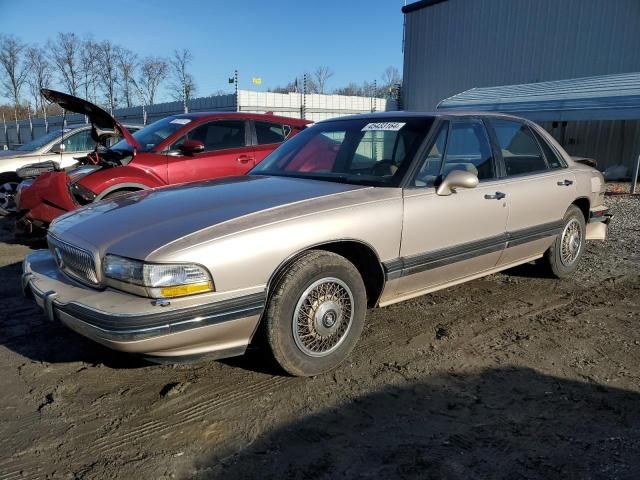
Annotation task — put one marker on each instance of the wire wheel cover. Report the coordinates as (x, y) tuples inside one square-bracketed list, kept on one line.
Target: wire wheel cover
[(570, 243), (323, 317)]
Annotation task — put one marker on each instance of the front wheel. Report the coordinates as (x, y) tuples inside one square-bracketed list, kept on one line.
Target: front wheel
[(8, 189), (563, 256), (316, 313)]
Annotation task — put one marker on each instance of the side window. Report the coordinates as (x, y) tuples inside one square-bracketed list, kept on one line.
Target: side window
[(430, 169), (468, 148), (218, 135), (79, 142), (553, 160), (267, 133), (520, 150)]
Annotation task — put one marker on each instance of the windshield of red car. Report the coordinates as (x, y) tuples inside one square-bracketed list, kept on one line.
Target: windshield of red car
[(362, 151), (152, 135)]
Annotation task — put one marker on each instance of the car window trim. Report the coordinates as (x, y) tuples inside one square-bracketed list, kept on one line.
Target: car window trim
[(412, 172), (539, 138)]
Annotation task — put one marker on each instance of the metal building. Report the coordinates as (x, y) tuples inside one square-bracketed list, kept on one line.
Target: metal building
[(455, 45)]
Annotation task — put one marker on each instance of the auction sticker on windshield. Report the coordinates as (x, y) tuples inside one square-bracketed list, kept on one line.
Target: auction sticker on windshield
[(181, 121), (383, 126)]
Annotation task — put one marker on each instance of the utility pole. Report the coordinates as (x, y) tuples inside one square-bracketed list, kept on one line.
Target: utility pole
[(235, 84), (30, 122), (6, 133), (304, 97), (184, 97)]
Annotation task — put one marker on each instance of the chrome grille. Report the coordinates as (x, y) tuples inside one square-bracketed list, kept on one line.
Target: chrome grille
[(74, 261)]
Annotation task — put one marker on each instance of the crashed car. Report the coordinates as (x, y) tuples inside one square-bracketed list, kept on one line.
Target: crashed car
[(352, 213), (56, 150), (177, 149)]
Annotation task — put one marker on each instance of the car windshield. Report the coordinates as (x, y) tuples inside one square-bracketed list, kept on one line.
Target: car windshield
[(41, 141), (360, 151), (152, 135)]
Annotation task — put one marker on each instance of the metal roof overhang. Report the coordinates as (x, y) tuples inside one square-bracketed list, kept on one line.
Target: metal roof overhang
[(604, 97)]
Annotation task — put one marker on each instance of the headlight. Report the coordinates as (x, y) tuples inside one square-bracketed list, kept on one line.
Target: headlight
[(160, 280)]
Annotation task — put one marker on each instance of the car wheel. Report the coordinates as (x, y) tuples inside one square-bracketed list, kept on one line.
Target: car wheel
[(563, 256), (316, 313), (8, 188)]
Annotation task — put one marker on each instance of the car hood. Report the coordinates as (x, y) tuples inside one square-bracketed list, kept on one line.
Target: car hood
[(137, 224), (98, 117)]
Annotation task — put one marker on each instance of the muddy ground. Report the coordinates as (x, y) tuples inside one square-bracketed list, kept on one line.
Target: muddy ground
[(510, 376)]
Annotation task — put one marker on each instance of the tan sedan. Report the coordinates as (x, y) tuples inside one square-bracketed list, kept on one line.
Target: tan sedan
[(352, 213)]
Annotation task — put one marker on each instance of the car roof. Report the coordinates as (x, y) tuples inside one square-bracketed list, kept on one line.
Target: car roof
[(399, 114), (241, 116)]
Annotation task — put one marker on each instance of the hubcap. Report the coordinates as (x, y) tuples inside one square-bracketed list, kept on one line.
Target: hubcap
[(323, 317), (570, 243), (8, 196)]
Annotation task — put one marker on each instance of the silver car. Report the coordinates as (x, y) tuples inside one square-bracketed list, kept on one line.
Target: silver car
[(352, 213), (58, 149)]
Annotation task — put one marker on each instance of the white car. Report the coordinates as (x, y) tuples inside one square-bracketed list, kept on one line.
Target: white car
[(53, 147)]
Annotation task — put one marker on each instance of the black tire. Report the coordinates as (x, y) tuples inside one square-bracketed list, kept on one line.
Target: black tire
[(7, 194), (333, 273), (555, 260)]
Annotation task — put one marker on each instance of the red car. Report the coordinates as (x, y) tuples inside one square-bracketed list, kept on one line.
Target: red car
[(177, 149)]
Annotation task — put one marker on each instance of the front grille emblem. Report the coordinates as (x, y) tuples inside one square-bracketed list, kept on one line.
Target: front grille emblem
[(58, 256)]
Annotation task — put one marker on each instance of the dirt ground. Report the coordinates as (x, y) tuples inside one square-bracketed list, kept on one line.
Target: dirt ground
[(512, 376)]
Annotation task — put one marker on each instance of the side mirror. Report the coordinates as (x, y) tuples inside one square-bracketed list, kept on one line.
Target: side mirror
[(457, 179), (58, 148), (189, 147)]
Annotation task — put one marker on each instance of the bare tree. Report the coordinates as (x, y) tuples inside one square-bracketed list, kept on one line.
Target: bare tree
[(89, 57), (321, 75), (108, 78), (127, 62), (14, 71), (390, 78), (65, 53), (152, 72), (39, 76), (183, 86)]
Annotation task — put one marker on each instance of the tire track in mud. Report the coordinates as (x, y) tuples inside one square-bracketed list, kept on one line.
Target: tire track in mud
[(199, 407)]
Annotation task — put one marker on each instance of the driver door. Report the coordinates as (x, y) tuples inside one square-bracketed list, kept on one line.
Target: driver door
[(448, 238), (225, 152)]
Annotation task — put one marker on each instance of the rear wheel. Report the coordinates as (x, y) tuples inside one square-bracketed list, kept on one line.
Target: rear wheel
[(316, 313), (563, 256), (8, 188)]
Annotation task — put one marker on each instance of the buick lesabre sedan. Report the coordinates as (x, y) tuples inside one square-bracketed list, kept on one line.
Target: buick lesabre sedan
[(351, 213)]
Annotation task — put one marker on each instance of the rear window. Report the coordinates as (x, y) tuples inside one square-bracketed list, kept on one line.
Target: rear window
[(268, 133), (520, 150)]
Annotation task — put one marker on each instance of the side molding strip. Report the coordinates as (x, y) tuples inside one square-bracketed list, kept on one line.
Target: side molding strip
[(403, 266)]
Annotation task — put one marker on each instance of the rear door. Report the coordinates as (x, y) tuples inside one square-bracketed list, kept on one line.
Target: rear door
[(226, 152), (446, 238), (267, 136), (538, 186)]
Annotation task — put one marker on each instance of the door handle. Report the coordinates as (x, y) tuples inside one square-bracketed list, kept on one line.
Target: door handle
[(565, 183), (244, 159), (497, 196)]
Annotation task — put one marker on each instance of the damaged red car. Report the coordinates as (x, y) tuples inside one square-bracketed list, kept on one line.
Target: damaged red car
[(177, 149)]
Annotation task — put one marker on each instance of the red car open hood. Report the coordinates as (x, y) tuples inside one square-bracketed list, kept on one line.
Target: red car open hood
[(98, 117)]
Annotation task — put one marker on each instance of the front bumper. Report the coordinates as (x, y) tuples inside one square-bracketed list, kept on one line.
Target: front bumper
[(222, 326)]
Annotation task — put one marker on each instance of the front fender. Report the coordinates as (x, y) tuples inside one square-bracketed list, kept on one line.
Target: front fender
[(109, 180)]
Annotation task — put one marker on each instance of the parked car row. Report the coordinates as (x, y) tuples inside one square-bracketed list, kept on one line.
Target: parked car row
[(348, 214)]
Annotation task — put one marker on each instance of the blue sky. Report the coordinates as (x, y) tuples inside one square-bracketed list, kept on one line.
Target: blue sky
[(272, 40)]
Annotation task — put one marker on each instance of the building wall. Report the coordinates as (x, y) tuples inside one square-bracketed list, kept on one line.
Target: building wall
[(460, 44), (456, 45)]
